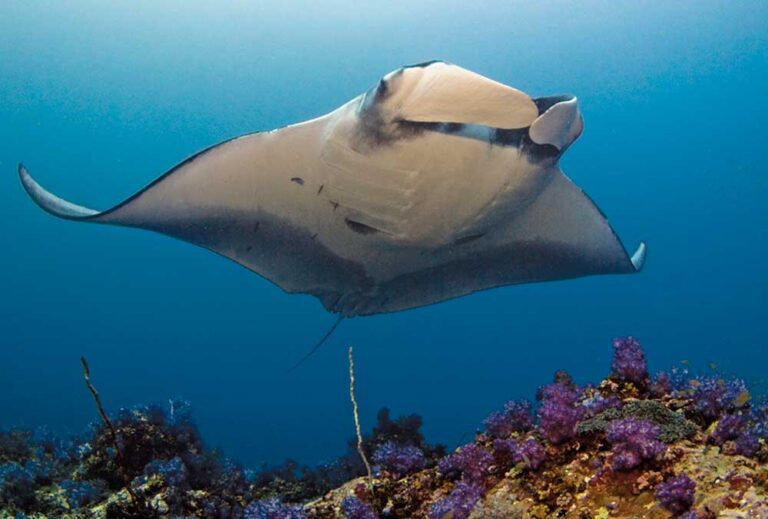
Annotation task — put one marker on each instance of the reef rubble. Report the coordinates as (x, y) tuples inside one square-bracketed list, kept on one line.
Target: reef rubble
[(633, 446)]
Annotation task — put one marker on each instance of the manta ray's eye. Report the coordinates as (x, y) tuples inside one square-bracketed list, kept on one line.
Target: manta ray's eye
[(382, 89)]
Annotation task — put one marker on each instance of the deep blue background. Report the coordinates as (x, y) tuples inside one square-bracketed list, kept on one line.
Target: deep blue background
[(100, 98)]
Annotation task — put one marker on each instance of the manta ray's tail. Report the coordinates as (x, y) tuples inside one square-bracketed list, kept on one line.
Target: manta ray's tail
[(317, 346)]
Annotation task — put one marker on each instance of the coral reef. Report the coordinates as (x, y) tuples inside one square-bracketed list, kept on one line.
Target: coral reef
[(173, 474), (672, 445)]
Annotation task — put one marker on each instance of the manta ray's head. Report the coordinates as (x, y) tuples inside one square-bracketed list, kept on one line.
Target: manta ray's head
[(438, 96)]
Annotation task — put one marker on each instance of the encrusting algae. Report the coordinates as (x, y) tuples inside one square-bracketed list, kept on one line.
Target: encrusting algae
[(633, 446)]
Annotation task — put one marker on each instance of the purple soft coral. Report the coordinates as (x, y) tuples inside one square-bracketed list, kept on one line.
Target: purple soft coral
[(399, 459), (353, 508), (634, 441), (714, 396), (661, 385), (736, 428), (530, 453), (504, 447), (629, 360), (759, 416), (747, 444), (676, 494), (516, 417), (559, 414), (598, 403), (459, 503), (728, 428), (504, 452), (272, 508), (471, 461)]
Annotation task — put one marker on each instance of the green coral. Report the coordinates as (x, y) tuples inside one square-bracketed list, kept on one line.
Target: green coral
[(674, 426)]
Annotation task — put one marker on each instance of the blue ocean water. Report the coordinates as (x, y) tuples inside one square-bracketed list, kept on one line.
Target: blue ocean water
[(99, 99)]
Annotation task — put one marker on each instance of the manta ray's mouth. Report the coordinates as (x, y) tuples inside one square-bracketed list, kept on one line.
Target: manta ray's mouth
[(517, 137)]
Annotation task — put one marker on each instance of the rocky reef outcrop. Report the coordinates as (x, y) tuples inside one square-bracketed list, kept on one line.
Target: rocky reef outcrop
[(634, 445)]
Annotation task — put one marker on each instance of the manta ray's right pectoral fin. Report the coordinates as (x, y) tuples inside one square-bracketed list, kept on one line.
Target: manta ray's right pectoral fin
[(52, 203), (568, 236)]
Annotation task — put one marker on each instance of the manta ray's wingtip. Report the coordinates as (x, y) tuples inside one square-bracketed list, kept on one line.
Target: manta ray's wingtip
[(22, 171), (638, 258), (49, 202), (29, 184)]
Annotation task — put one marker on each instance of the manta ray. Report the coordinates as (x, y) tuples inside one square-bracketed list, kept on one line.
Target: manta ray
[(436, 183)]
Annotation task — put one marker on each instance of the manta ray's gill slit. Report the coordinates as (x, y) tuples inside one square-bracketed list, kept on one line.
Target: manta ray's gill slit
[(360, 228), (297, 180), (468, 239)]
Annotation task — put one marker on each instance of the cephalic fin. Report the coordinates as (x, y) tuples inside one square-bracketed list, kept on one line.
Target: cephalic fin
[(638, 258)]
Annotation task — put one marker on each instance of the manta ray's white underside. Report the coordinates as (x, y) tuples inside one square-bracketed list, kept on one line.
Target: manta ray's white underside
[(435, 184)]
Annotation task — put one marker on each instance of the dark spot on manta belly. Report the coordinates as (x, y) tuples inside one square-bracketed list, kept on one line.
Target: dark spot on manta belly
[(298, 180), (360, 228), (334, 204)]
